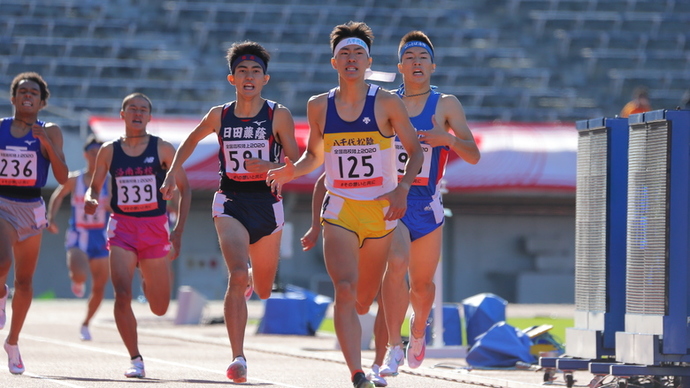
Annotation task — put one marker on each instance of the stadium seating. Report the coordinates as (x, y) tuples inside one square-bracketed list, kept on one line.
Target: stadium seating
[(528, 60)]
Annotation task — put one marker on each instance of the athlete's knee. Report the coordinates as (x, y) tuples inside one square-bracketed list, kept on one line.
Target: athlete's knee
[(239, 277), (159, 307), (362, 307), (344, 290), (423, 287), (397, 266)]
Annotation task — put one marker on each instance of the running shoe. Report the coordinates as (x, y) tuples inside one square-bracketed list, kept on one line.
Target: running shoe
[(78, 289), (395, 357), (237, 370), (3, 303), (376, 378), (361, 381), (136, 369), (84, 333), (250, 287), (416, 348), (14, 359)]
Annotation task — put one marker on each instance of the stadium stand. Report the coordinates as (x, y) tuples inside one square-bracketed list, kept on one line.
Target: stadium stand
[(526, 60)]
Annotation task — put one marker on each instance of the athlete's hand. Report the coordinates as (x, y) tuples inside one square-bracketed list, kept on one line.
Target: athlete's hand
[(168, 187), (436, 136), (277, 177), (176, 242), (90, 206), (52, 227), (39, 132), (397, 200), (309, 239), (258, 165)]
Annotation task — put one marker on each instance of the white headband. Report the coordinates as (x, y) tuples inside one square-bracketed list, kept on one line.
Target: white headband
[(349, 41)]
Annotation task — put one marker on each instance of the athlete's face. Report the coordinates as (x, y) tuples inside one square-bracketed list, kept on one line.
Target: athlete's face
[(351, 61), (137, 113), (248, 78), (27, 99), (416, 65)]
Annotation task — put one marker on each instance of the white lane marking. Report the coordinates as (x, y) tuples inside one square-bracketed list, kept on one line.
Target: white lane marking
[(122, 354)]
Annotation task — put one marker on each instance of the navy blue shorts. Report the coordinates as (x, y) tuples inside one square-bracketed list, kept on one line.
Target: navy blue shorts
[(260, 213)]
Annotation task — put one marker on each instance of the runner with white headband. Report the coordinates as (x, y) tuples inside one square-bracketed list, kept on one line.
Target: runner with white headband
[(352, 128)]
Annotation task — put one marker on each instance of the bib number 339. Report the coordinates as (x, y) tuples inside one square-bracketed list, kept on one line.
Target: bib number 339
[(136, 193)]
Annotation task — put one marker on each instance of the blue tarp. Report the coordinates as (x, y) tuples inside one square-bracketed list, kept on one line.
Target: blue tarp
[(481, 312), (501, 346), (296, 311)]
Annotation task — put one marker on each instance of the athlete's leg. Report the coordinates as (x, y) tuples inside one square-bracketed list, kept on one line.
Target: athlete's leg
[(25, 259), (234, 244), (122, 266), (372, 264), (265, 255), (425, 253), (341, 254), (394, 290), (99, 278), (77, 264)]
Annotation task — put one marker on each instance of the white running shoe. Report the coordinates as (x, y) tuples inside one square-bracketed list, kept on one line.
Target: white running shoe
[(416, 348), (395, 357), (376, 378), (3, 303), (84, 333), (136, 369), (78, 289), (14, 359), (237, 370)]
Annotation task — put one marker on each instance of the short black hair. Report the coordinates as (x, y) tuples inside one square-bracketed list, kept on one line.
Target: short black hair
[(349, 30), (132, 96), (246, 48), (30, 76)]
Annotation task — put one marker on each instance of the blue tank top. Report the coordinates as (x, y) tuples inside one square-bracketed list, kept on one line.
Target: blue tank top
[(136, 181), (428, 181), (23, 168), (241, 138)]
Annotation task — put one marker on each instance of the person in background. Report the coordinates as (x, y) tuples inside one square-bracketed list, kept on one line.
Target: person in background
[(29, 147), (639, 103), (352, 131), (85, 239), (253, 133), (138, 234)]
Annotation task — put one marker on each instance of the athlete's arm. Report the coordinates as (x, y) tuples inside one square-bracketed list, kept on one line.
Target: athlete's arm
[(103, 160), (51, 140), (208, 125), (309, 239), (398, 120), (284, 131), (451, 116), (56, 201), (166, 153), (312, 156)]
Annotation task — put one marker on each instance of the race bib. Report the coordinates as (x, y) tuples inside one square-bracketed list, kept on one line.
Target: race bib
[(422, 179), (236, 152), (355, 167), (136, 193), (18, 168)]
